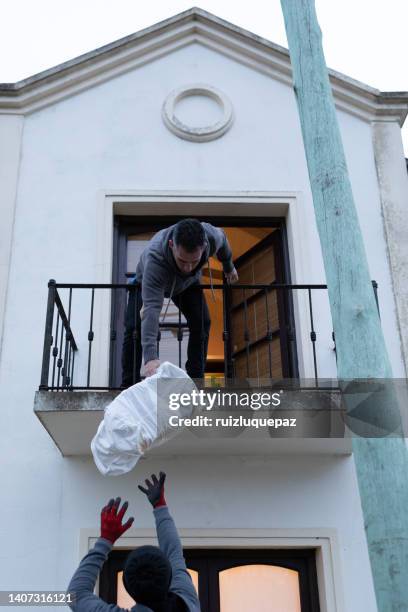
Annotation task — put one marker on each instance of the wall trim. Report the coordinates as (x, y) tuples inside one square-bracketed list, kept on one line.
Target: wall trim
[(229, 203), (393, 189), (11, 138)]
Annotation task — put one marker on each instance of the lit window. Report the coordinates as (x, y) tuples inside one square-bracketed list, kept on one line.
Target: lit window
[(264, 588), (124, 600)]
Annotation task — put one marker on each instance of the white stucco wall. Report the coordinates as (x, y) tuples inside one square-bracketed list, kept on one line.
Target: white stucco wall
[(112, 137)]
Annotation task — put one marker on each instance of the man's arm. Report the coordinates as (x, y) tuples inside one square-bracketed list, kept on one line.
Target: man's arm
[(169, 542), (219, 246), (153, 285), (167, 535), (169, 539), (83, 581)]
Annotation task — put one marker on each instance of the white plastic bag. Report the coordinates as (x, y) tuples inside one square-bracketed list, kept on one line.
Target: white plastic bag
[(137, 419)]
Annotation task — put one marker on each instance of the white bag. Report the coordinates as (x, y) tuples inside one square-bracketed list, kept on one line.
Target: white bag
[(137, 419)]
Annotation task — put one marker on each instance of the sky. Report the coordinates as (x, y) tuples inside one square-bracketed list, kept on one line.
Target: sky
[(364, 39)]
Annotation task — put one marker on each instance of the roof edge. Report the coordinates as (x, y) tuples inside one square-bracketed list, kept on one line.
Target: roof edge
[(14, 96), (99, 51)]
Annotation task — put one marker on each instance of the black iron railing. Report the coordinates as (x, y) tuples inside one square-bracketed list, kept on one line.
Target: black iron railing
[(258, 334)]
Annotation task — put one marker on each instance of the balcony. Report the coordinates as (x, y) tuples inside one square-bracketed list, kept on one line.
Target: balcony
[(260, 334)]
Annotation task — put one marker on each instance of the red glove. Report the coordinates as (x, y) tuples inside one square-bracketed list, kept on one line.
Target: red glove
[(155, 490), (111, 520)]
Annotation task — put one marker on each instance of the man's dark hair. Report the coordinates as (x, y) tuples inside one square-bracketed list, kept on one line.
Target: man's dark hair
[(189, 233), (147, 576)]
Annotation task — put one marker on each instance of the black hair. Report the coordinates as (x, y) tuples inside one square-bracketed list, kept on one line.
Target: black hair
[(189, 233), (147, 576)]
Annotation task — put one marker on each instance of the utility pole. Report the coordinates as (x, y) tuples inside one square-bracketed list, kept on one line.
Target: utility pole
[(381, 463)]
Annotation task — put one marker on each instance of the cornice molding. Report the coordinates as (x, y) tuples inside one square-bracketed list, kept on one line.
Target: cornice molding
[(192, 26), (197, 133)]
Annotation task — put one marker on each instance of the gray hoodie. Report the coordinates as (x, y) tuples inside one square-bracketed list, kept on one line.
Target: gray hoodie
[(160, 277), (83, 581)]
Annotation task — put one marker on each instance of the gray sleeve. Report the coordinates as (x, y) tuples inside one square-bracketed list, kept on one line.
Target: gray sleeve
[(153, 285), (219, 246), (170, 544), (83, 581)]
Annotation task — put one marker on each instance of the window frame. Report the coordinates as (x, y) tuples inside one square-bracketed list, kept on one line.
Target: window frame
[(302, 560)]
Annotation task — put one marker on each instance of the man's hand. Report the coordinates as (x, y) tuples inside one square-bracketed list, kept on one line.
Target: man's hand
[(231, 277), (155, 490), (111, 520), (151, 367)]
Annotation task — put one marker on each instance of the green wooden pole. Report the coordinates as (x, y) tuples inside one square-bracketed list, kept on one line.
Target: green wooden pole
[(381, 463)]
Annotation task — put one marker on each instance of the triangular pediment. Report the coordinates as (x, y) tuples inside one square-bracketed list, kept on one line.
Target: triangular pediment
[(192, 26)]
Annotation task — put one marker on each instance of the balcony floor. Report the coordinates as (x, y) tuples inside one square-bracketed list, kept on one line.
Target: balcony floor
[(72, 418)]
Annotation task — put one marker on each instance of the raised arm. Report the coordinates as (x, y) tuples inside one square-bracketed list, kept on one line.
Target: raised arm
[(82, 583), (169, 541)]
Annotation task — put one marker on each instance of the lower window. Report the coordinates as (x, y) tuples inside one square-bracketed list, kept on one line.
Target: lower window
[(235, 580)]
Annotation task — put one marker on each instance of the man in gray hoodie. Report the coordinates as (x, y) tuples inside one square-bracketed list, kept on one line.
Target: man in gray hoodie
[(155, 577), (170, 266)]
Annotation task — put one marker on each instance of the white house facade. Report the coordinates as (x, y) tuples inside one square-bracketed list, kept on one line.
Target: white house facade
[(191, 117)]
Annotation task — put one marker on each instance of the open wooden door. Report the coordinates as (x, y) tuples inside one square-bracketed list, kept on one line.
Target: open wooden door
[(259, 317)]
